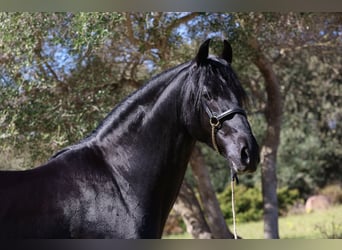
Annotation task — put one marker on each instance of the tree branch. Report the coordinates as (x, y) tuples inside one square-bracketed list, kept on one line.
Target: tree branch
[(129, 26), (180, 21), (38, 52), (273, 115), (189, 208), (211, 207)]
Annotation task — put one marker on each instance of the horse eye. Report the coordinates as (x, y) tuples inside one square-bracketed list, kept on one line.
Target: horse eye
[(207, 96)]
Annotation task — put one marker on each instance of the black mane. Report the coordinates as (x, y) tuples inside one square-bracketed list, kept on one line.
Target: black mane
[(149, 91), (214, 68)]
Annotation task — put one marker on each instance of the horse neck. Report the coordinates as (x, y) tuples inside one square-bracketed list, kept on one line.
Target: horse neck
[(146, 143), (155, 106)]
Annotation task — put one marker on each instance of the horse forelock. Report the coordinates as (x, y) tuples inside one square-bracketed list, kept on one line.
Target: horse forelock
[(228, 78), (216, 71)]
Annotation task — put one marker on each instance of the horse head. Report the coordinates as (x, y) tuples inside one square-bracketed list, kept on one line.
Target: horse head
[(217, 118)]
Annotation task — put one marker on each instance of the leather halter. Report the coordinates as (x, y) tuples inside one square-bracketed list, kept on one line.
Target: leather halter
[(217, 120)]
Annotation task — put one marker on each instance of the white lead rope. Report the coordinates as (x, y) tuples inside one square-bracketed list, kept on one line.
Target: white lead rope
[(233, 176), (233, 207)]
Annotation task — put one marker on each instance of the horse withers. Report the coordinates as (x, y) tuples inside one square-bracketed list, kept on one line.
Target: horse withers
[(122, 180)]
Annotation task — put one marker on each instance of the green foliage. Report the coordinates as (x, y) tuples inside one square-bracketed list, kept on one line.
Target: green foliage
[(310, 151), (218, 167), (330, 231), (62, 72), (333, 192), (299, 172), (286, 199), (55, 88), (248, 202)]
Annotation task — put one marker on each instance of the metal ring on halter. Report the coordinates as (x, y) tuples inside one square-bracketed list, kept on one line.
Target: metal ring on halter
[(214, 122)]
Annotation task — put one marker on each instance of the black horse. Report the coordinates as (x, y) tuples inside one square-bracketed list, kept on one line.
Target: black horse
[(122, 180)]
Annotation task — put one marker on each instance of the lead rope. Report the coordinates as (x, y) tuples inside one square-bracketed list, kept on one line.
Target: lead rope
[(214, 125), (232, 184)]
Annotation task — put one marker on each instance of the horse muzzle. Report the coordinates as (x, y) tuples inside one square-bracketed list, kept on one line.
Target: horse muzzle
[(244, 158)]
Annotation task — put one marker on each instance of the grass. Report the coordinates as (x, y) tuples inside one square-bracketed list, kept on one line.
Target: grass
[(316, 225)]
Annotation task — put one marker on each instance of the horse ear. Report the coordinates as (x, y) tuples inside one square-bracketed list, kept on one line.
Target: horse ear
[(227, 53), (203, 52)]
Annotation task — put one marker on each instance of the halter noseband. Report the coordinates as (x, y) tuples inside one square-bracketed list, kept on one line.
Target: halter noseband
[(217, 120)]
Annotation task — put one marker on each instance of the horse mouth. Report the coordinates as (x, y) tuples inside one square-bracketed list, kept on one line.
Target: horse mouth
[(239, 168)]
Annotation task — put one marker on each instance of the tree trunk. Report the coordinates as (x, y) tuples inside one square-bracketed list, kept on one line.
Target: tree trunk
[(189, 208), (273, 114), (211, 207)]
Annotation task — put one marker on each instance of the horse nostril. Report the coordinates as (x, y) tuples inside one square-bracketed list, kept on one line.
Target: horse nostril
[(245, 159)]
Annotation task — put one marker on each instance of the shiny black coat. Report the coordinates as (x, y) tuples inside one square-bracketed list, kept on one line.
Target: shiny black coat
[(122, 180)]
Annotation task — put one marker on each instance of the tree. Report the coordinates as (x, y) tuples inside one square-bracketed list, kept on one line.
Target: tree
[(188, 207), (81, 57), (210, 204), (267, 37), (251, 26), (273, 114), (312, 107)]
